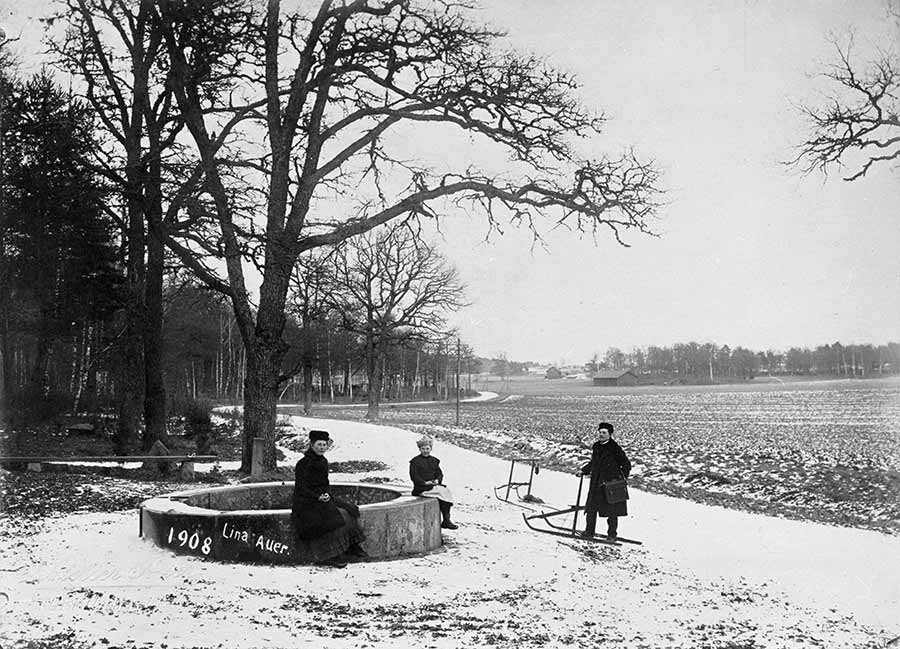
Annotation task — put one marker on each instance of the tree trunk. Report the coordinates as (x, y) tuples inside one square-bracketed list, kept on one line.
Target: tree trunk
[(88, 401), (81, 362), (131, 380), (38, 383), (265, 349), (318, 361), (6, 365), (348, 378), (155, 390), (330, 379), (131, 370), (307, 386), (260, 398), (307, 359), (417, 387), (375, 361)]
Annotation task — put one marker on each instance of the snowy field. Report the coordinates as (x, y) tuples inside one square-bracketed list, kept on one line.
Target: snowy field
[(706, 577)]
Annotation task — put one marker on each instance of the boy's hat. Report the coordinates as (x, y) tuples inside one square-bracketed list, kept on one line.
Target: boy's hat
[(316, 435), (605, 426)]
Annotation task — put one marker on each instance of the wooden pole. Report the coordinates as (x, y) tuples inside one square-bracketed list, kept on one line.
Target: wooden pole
[(577, 504), (457, 381)]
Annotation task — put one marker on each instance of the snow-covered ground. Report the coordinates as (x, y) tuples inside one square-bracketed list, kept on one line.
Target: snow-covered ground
[(706, 577)]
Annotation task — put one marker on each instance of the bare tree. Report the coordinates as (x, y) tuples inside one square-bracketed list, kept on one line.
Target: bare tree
[(312, 285), (393, 289), (117, 85), (857, 125), (614, 358), (318, 117), (117, 51)]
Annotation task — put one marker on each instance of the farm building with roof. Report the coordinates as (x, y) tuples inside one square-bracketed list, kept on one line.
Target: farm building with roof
[(615, 377)]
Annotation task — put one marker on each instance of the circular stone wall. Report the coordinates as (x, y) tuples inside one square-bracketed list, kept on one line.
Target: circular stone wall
[(252, 523)]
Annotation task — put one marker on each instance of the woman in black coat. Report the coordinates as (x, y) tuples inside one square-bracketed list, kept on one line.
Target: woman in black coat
[(608, 462), (325, 527)]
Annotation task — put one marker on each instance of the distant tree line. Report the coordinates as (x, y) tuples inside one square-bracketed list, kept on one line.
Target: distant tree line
[(503, 367), (709, 363), (326, 363)]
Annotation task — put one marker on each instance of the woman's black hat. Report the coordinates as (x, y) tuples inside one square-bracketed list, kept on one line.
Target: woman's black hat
[(605, 426)]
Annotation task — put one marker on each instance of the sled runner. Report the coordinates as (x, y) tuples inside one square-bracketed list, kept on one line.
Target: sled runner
[(568, 534), (545, 517), (512, 485), (571, 532)]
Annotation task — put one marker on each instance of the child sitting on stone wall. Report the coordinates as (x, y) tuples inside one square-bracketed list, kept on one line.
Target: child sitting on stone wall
[(427, 477)]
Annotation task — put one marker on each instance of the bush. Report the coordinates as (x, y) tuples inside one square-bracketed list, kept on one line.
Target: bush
[(198, 423), (28, 409)]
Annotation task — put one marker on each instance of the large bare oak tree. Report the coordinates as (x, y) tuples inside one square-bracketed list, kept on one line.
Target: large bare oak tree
[(314, 131)]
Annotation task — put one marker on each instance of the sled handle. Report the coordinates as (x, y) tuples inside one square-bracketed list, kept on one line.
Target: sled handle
[(512, 465), (577, 502)]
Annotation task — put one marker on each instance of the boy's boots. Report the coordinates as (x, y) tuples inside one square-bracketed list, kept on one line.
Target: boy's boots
[(445, 516)]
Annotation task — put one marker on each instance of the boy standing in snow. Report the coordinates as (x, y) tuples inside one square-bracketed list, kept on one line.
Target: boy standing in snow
[(608, 462)]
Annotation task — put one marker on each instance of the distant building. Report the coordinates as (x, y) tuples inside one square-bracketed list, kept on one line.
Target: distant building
[(553, 373), (611, 378)]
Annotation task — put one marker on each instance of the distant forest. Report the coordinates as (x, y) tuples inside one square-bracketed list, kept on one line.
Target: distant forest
[(70, 362), (709, 363)]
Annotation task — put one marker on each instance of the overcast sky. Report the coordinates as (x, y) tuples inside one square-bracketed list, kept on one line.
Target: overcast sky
[(750, 252)]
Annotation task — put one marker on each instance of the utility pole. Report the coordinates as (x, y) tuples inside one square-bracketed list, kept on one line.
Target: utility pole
[(457, 380)]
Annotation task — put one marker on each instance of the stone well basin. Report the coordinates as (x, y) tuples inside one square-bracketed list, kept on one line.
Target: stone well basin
[(252, 522)]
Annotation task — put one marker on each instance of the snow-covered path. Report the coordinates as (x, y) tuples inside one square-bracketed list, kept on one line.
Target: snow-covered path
[(706, 577), (482, 396)]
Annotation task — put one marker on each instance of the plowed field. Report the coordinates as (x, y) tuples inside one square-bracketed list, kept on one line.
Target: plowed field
[(826, 451)]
